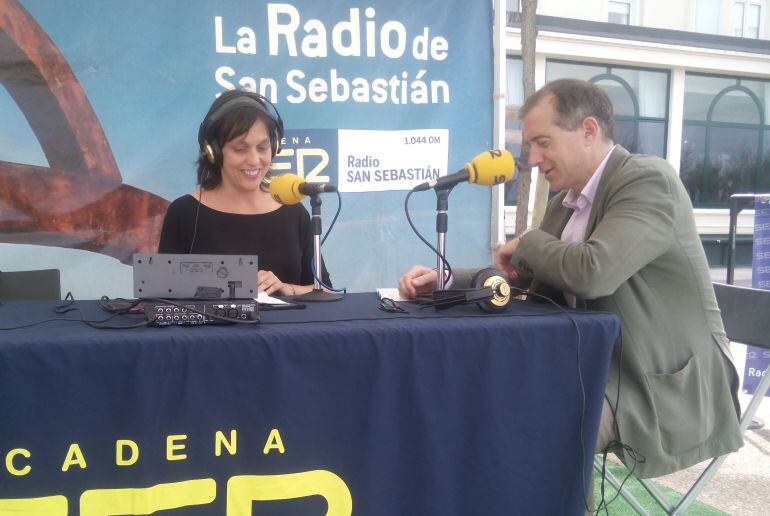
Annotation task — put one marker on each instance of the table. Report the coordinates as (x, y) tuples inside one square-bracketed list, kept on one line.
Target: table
[(336, 406)]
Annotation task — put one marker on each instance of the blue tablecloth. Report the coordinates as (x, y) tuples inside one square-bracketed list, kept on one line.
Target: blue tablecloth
[(450, 413)]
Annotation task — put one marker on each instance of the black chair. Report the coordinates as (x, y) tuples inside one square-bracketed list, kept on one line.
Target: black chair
[(30, 285), (745, 318)]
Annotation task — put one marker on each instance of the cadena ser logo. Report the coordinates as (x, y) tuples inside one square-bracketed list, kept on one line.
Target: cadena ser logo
[(242, 490), (309, 153)]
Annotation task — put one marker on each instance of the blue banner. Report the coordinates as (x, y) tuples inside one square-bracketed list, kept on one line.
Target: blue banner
[(758, 359), (102, 103)]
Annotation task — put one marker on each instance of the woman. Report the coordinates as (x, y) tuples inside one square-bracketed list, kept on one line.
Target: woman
[(232, 211)]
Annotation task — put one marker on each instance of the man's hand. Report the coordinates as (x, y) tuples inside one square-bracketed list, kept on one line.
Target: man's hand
[(503, 258), (418, 280)]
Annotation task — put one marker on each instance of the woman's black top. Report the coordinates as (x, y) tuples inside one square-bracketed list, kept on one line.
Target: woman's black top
[(282, 238)]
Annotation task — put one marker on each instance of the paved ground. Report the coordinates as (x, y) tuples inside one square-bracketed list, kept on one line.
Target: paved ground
[(742, 484)]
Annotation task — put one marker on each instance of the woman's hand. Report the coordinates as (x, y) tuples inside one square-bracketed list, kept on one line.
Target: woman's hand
[(270, 284)]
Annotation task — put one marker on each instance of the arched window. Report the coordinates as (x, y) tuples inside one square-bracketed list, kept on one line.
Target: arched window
[(724, 138), (639, 98), (626, 108)]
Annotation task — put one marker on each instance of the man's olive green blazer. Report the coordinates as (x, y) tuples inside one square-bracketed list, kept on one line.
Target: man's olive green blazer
[(643, 260)]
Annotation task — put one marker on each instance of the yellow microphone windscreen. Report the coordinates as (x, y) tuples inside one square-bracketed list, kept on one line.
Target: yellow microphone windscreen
[(491, 167), (285, 189)]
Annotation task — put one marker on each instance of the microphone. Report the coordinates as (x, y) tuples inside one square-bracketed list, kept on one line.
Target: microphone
[(489, 168), (291, 189)]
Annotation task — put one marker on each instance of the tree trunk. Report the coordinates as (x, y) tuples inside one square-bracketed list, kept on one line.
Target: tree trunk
[(528, 41)]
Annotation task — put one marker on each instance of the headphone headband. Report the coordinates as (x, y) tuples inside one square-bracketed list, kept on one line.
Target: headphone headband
[(228, 102)]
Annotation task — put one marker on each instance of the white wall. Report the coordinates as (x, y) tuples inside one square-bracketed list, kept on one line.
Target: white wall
[(666, 14), (579, 10), (659, 14)]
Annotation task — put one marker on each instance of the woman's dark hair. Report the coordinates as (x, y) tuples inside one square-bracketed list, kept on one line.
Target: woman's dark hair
[(232, 124)]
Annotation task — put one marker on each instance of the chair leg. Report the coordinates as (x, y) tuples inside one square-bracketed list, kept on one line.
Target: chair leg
[(709, 472), (759, 393), (659, 496), (691, 495), (628, 497)]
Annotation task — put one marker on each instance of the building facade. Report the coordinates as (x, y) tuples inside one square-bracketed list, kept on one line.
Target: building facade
[(689, 80)]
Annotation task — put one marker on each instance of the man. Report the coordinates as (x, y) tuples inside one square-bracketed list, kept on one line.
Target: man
[(620, 237)]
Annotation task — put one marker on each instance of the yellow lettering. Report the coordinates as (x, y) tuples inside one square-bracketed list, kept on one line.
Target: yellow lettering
[(147, 500), (9, 462), (44, 506), (245, 489), (74, 458), (274, 442), (231, 445), (120, 457), (172, 447)]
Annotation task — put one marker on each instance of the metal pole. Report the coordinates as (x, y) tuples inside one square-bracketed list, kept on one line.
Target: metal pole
[(737, 203), (731, 246), (315, 225), (442, 204), (318, 293)]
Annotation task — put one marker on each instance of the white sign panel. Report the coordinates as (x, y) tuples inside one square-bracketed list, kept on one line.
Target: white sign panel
[(374, 161)]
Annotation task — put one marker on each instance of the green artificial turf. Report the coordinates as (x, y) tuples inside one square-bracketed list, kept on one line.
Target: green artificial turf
[(619, 507)]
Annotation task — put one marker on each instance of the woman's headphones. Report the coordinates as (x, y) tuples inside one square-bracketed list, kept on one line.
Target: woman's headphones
[(228, 102)]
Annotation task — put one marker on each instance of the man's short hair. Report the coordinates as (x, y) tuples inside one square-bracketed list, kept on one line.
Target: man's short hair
[(574, 100)]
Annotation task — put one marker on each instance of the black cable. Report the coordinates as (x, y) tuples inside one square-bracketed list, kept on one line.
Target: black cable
[(306, 321), (312, 265), (123, 306), (448, 272), (94, 324), (100, 324), (334, 219), (637, 457), (68, 307), (633, 454), (580, 382), (195, 224)]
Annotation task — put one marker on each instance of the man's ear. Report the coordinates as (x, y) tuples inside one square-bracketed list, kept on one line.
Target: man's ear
[(591, 129)]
